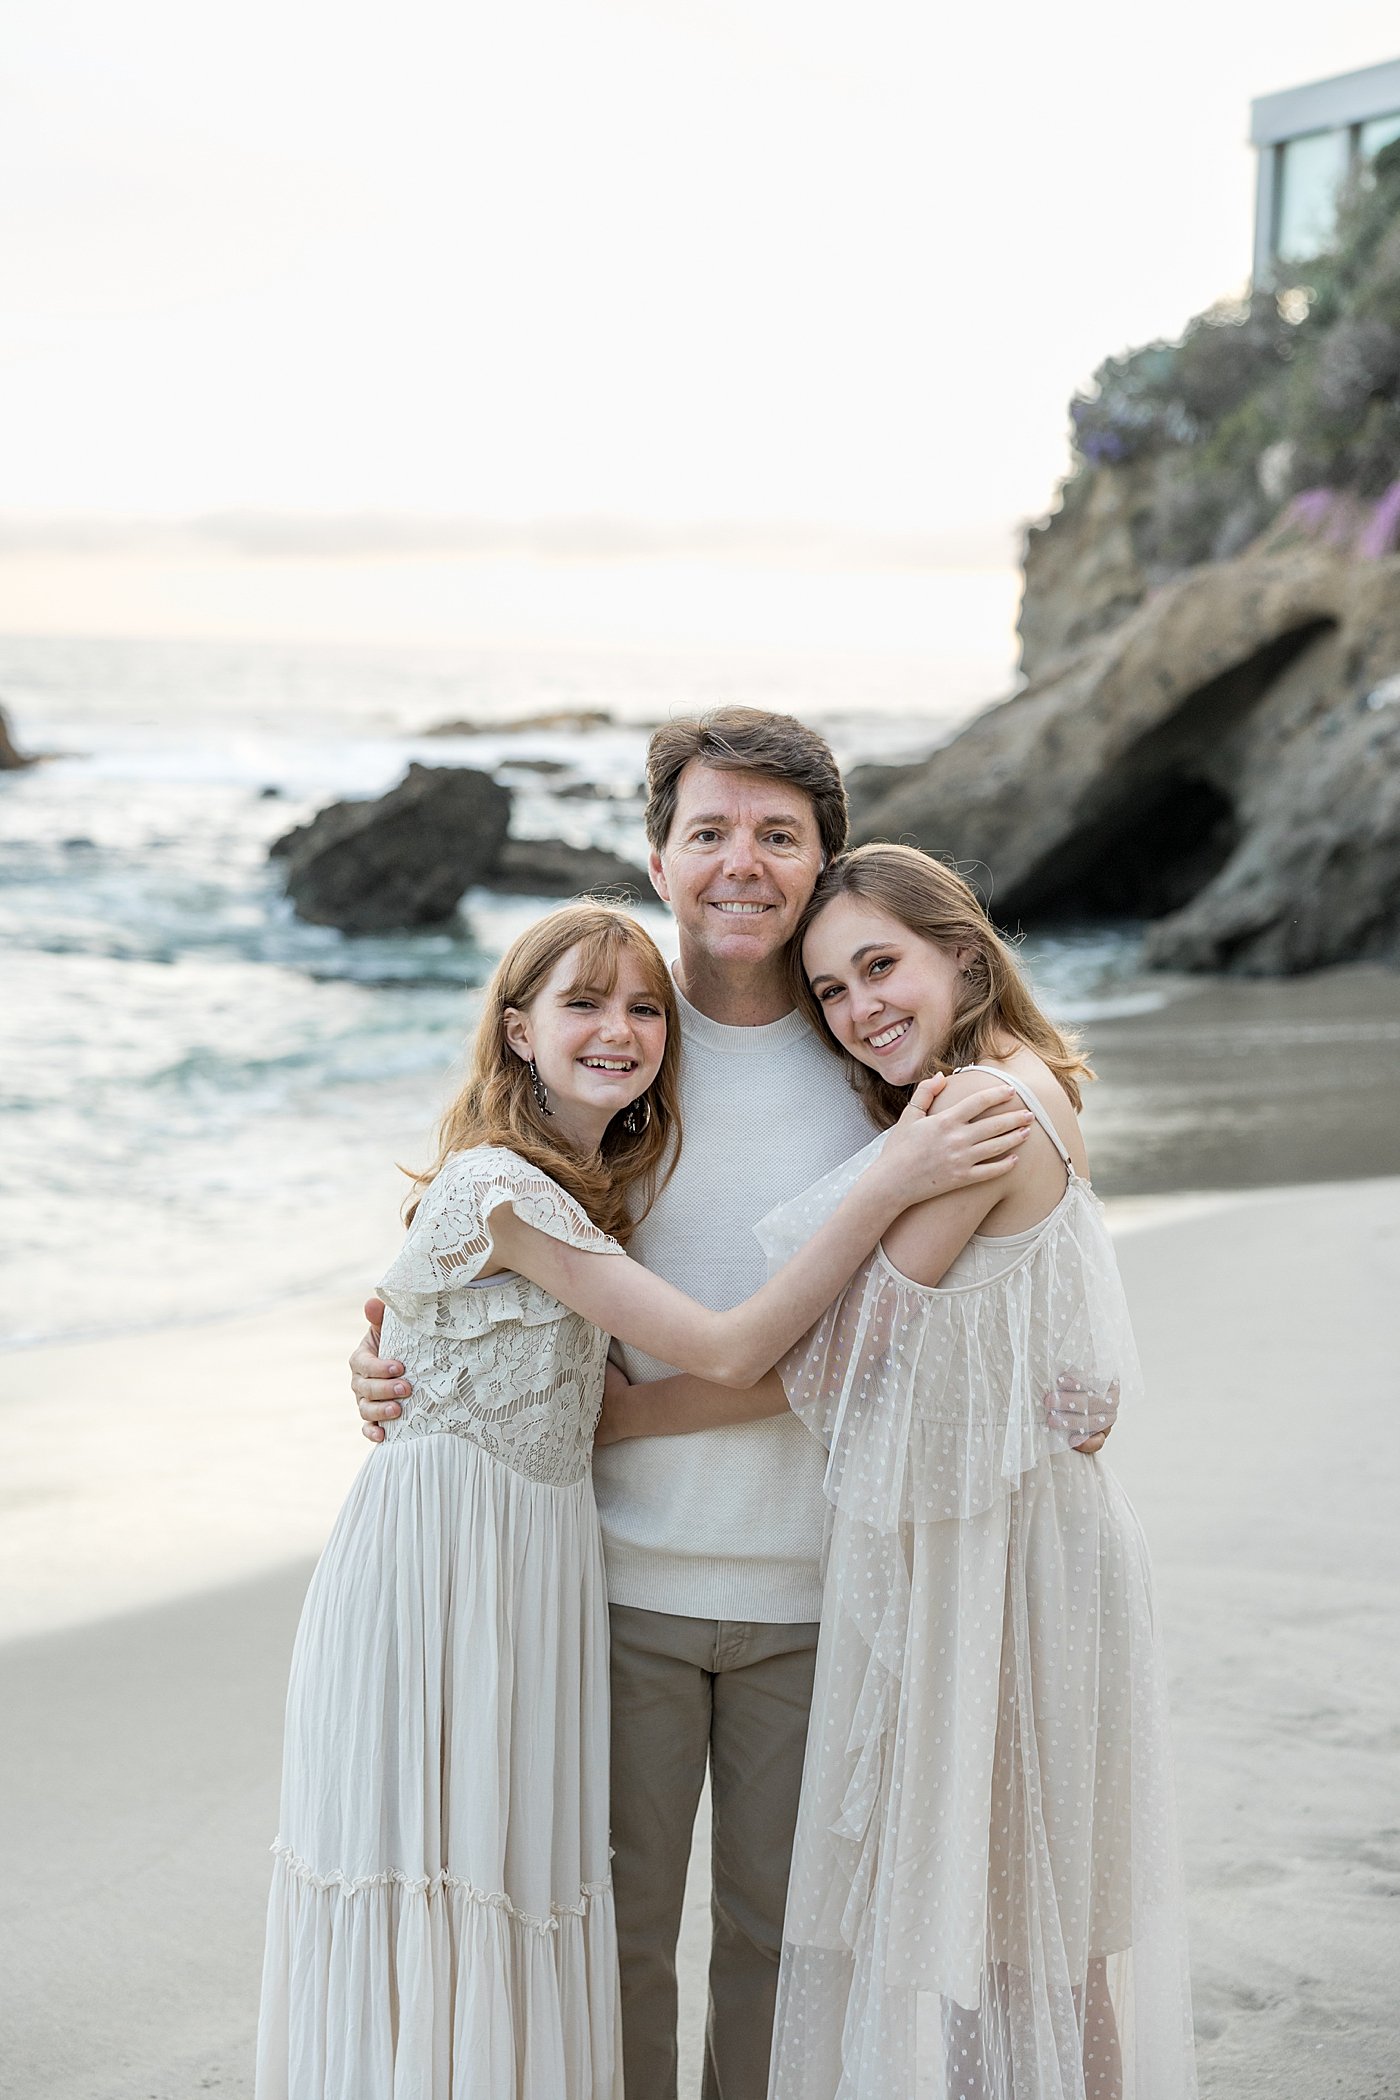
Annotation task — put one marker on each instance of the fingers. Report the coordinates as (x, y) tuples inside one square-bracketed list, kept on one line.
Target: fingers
[(1004, 1134), (365, 1365), (1091, 1444), (925, 1092), (380, 1410), (990, 1170), (374, 1313), (974, 1105), (372, 1431), (380, 1392)]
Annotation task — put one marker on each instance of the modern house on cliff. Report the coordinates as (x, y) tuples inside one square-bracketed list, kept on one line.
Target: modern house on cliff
[(1309, 140)]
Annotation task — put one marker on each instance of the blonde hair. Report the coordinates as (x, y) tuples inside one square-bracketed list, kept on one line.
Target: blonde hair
[(935, 903), (497, 1105)]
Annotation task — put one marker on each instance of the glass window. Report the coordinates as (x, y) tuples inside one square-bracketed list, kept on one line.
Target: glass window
[(1313, 171), (1379, 132)]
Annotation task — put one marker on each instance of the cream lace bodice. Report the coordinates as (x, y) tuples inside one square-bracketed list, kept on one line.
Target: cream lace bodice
[(498, 1361)]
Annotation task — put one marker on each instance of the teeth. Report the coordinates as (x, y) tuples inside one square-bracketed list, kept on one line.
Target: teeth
[(610, 1064), (889, 1035), (748, 910)]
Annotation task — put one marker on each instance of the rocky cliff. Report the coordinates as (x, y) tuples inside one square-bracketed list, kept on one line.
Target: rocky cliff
[(1225, 762), (1210, 627)]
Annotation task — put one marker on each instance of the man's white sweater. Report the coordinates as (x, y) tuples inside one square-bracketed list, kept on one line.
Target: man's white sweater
[(727, 1523)]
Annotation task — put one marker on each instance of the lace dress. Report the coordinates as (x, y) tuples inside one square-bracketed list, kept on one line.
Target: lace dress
[(984, 1901), (441, 1922)]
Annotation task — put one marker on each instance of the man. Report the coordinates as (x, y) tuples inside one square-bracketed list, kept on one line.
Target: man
[(713, 1540)]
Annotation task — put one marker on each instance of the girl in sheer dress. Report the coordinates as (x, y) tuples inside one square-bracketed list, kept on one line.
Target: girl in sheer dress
[(984, 1901), (440, 1923)]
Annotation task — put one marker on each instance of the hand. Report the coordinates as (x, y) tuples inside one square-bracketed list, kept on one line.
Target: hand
[(378, 1386), (1074, 1405), (616, 1386), (977, 1139)]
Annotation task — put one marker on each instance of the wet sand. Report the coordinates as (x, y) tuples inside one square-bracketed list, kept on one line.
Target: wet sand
[(164, 1500), (1241, 1083)]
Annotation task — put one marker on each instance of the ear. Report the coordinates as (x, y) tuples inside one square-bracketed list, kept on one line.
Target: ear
[(657, 871), (517, 1033)]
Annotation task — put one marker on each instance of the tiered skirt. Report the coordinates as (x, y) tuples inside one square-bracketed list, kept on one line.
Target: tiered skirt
[(440, 1923)]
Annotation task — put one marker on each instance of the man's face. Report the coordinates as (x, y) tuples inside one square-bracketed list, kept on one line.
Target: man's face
[(740, 863)]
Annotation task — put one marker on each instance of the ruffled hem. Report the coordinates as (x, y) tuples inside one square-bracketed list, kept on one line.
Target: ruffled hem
[(391, 1987), (430, 1885), (432, 1281)]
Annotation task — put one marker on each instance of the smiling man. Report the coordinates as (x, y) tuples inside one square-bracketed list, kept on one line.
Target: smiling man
[(713, 1540)]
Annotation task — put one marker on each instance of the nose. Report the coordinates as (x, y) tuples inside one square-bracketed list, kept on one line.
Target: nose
[(866, 1002), (741, 859), (615, 1025)]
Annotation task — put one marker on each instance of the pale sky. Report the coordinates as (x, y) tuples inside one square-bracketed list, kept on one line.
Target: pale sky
[(654, 260)]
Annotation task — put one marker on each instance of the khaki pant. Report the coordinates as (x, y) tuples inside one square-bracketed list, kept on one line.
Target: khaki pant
[(685, 1691)]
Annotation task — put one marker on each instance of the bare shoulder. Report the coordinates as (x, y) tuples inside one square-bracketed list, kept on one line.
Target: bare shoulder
[(1033, 1072)]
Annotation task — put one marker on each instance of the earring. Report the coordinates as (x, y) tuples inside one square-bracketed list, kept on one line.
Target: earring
[(539, 1090), (635, 1122)]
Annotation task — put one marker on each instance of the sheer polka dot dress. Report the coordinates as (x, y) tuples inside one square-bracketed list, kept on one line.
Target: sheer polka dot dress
[(985, 1901)]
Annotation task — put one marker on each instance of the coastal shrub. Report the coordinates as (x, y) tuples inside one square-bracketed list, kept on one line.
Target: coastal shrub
[(1262, 399)]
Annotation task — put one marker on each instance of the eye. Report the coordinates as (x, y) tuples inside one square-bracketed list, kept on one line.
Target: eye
[(648, 1013), (705, 836), (881, 964), (781, 838), (830, 992), (581, 1001)]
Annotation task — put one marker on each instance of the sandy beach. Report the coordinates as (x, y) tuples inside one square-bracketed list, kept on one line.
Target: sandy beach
[(164, 1501)]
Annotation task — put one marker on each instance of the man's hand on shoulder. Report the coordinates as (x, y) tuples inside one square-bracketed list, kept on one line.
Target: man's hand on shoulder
[(378, 1384)]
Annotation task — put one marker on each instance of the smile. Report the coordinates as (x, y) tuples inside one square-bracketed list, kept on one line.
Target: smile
[(737, 910), (609, 1064), (888, 1037)]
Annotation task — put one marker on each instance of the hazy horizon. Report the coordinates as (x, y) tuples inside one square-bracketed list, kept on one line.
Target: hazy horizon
[(587, 288)]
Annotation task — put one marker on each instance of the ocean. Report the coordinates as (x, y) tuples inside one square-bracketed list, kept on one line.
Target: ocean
[(202, 1099)]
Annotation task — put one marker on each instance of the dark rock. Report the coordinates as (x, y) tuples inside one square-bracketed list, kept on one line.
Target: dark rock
[(11, 760), (578, 718), (1225, 762), (868, 785), (549, 868), (533, 765), (402, 861), (269, 794)]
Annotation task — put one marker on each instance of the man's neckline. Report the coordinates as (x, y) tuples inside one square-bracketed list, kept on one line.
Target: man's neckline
[(748, 1036)]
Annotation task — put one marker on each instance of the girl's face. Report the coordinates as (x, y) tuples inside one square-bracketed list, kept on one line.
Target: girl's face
[(888, 995), (596, 1051)]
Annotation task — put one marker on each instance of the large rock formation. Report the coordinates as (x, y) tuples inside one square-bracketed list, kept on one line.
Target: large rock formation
[(405, 860), (1224, 762)]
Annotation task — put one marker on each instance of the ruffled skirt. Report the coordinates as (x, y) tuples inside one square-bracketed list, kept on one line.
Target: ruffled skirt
[(985, 1901), (440, 1924)]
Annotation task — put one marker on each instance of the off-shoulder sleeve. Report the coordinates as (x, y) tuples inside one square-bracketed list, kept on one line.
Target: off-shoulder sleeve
[(434, 1276), (930, 1402)]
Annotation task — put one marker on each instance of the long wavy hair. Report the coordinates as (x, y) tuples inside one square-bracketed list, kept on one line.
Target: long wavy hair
[(497, 1105), (994, 1005)]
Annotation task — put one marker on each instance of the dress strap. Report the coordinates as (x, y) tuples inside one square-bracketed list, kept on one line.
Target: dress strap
[(1032, 1103)]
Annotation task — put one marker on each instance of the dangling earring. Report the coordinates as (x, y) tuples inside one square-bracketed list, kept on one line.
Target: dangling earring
[(634, 1122), (539, 1090)]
